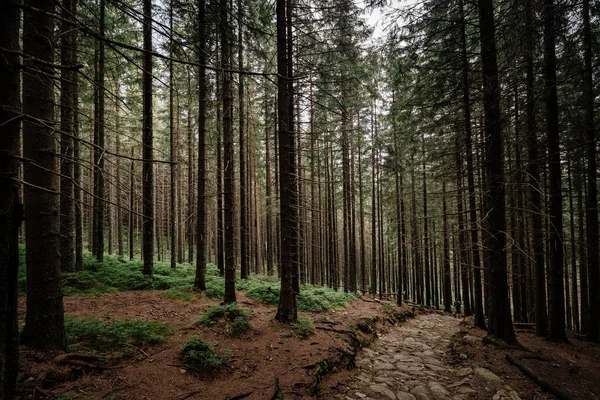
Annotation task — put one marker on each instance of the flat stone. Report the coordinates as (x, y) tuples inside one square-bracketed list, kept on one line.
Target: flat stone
[(364, 378), (383, 390), (360, 395), (384, 379), (383, 366), (438, 391), (464, 381), (462, 372), (405, 396), (488, 375)]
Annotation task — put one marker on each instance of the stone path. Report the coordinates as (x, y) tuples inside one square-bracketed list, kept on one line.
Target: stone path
[(411, 363)]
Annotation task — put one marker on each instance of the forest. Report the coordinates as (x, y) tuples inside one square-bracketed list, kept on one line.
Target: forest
[(296, 168)]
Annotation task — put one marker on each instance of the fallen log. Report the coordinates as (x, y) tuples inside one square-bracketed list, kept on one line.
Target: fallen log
[(543, 383)]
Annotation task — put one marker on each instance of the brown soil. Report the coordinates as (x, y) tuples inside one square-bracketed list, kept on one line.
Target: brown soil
[(269, 353), (572, 368), (255, 360)]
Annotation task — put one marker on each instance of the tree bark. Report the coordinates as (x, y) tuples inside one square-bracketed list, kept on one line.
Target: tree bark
[(200, 282), (500, 324), (286, 311), (591, 208), (228, 158), (11, 208), (556, 296), (147, 144), (44, 321)]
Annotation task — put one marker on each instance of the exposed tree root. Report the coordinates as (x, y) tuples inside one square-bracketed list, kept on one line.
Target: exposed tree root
[(544, 384)]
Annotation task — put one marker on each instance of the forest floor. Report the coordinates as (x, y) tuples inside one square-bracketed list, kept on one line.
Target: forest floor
[(433, 356)]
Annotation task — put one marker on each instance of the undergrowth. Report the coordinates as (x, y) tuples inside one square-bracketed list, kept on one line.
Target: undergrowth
[(197, 354), (303, 328), (121, 274), (113, 336), (234, 317)]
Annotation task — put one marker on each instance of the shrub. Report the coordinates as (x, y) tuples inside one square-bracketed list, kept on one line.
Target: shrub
[(233, 316), (315, 298), (197, 354), (303, 328), (100, 336)]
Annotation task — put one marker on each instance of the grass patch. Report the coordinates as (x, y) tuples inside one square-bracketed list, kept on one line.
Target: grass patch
[(197, 354), (179, 294), (313, 298), (114, 336), (303, 328), (234, 317)]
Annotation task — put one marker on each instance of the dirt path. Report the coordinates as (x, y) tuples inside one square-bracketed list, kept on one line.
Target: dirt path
[(413, 362)]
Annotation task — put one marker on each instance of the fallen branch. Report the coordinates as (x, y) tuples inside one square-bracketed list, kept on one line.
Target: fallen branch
[(187, 396), (241, 396), (544, 384), (138, 349), (277, 395)]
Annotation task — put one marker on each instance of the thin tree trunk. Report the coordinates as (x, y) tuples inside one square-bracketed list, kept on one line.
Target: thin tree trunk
[(200, 281), (148, 168), (172, 150), (556, 296), (593, 333), (534, 182), (67, 102), (447, 280)]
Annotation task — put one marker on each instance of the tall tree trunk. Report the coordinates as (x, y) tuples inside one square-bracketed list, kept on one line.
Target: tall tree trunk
[(533, 171), (397, 173), (426, 259), (478, 304), (286, 312), (593, 333), (574, 290), (462, 256), (556, 296), (131, 228), (147, 144), (44, 321), (244, 268), (173, 149), (11, 209), (447, 280), (220, 222), (99, 192), (67, 105), (228, 160), (199, 282), (500, 324), (268, 190)]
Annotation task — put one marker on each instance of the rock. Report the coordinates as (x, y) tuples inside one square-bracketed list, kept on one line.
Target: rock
[(438, 390), (384, 379), (405, 396), (468, 339), (364, 378), (464, 381), (468, 321), (383, 366), (420, 393), (465, 390), (360, 395), (381, 389), (462, 372), (488, 375)]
